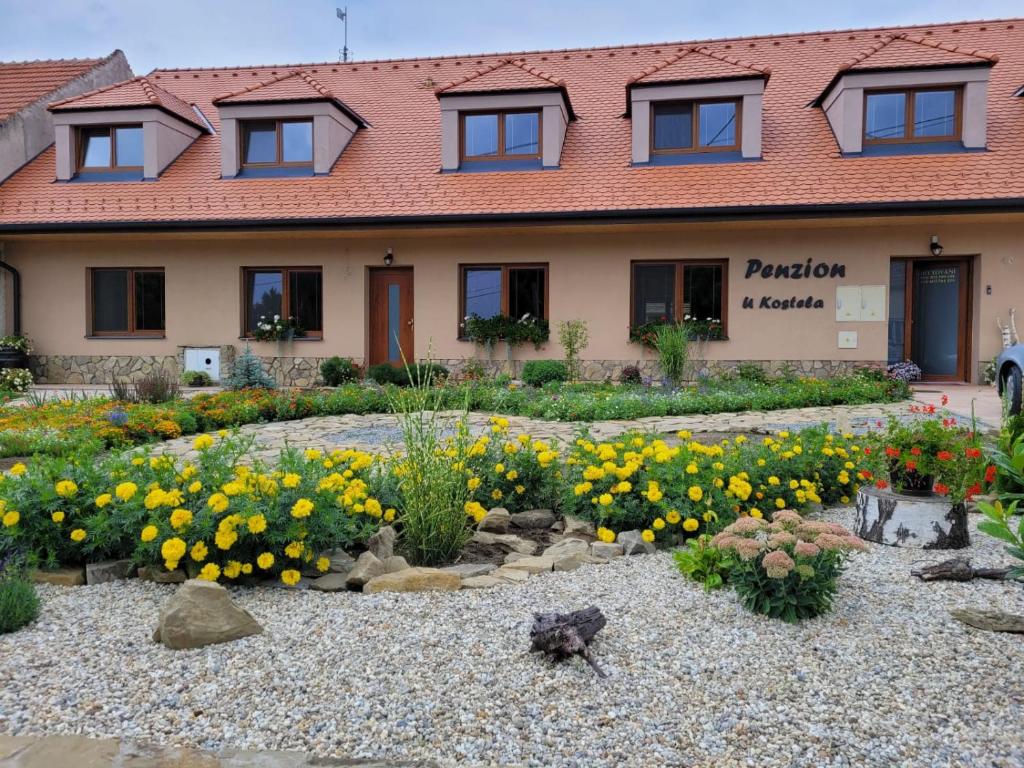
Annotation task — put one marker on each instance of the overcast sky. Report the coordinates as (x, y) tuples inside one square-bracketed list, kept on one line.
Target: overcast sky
[(184, 33)]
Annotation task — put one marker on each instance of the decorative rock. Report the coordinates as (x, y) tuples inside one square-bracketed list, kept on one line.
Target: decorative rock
[(107, 570), (201, 613), (62, 577), (509, 576), (382, 543), (506, 542), (469, 570), (533, 518), (367, 567), (160, 576), (921, 522), (330, 582), (993, 621), (414, 580), (578, 528), (532, 565), (633, 544), (495, 521), (482, 582), (566, 548), (606, 550), (512, 557), (574, 561), (394, 564), (341, 561)]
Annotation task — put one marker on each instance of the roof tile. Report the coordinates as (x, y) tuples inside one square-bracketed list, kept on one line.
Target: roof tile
[(25, 82), (137, 92), (695, 64)]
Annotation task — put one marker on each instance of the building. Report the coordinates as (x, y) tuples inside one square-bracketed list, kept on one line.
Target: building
[(824, 201)]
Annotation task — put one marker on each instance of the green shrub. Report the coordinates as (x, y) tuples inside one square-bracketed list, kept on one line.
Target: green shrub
[(573, 336), (19, 603), (196, 379), (537, 373), (247, 373), (753, 372), (704, 563), (630, 375), (672, 343), (410, 375), (339, 370)]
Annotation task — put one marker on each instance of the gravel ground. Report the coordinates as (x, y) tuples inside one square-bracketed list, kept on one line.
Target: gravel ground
[(889, 679)]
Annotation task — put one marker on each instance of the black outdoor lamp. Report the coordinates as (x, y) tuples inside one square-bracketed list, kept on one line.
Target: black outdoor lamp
[(389, 257), (936, 246)]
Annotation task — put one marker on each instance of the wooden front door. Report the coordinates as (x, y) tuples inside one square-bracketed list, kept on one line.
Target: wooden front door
[(391, 318)]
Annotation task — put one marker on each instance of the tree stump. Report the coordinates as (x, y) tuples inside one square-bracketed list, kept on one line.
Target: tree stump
[(561, 635), (910, 521)]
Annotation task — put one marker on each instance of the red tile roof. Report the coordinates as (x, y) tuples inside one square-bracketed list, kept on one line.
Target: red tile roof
[(389, 172), (25, 82), (296, 86), (505, 75), (697, 65), (137, 92), (912, 51)]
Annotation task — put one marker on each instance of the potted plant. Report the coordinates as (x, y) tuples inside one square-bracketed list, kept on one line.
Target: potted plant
[(929, 456), (14, 351), (277, 328)]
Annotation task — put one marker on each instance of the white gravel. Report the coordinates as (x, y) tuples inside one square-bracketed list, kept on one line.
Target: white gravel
[(889, 679)]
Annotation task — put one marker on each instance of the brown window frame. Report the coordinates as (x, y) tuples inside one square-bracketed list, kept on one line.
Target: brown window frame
[(501, 155), (285, 297), (90, 296), (505, 268), (695, 105), (908, 118), (80, 132), (678, 292), (243, 142)]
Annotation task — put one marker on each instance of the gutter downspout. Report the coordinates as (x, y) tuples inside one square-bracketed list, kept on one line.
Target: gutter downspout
[(16, 291)]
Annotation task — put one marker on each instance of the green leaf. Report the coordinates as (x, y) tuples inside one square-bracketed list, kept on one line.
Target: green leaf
[(998, 530)]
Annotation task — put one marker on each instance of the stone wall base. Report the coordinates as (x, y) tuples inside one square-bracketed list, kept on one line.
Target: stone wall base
[(305, 371)]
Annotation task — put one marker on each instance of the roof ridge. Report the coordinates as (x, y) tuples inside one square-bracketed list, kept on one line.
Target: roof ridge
[(257, 85), (878, 45), (581, 49), (518, 63), (25, 62)]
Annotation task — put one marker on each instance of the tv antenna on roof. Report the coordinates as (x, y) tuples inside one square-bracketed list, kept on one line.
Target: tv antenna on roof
[(343, 15)]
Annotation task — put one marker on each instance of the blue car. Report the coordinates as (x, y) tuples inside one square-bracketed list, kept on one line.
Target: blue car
[(1009, 365)]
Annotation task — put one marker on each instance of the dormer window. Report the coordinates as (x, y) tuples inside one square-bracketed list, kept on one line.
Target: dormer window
[(694, 126), (501, 135), (931, 114), (111, 148), (277, 143)]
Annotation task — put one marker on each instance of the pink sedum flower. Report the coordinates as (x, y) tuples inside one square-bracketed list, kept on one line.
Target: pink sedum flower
[(806, 549), (778, 564)]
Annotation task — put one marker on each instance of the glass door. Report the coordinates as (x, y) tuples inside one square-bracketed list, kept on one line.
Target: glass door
[(938, 316)]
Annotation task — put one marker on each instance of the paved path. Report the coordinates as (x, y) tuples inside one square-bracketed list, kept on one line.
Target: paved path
[(962, 399), (377, 432)]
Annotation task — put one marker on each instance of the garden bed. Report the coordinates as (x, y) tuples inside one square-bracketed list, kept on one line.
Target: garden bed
[(887, 679)]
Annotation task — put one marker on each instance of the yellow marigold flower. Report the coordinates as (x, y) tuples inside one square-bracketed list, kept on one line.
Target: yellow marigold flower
[(102, 500), (691, 469), (290, 577), (322, 564), (78, 535), (690, 524), (294, 549), (496, 494), (673, 516), (473, 483), (210, 572), (511, 475), (312, 454), (291, 480), (225, 538), (201, 443), (57, 517), (755, 512), (683, 434), (773, 480), (246, 568), (499, 468), (265, 561), (138, 461), (18, 469), (256, 524), (232, 569), (658, 524), (780, 503), (154, 498), (520, 489), (149, 533), (173, 549), (66, 488), (647, 535), (199, 551), (180, 518), (844, 499), (696, 493), (11, 519), (125, 491), (605, 499), (218, 502), (372, 508), (302, 508)]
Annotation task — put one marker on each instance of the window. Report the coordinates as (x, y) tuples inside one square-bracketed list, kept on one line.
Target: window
[(678, 290), (501, 136), (915, 115), (290, 292), (694, 126), (277, 142), (110, 148), (496, 289), (126, 302)]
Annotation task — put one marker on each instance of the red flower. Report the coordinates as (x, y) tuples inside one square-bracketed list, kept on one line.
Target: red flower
[(973, 491), (945, 399), (990, 473), (973, 453), (878, 423), (911, 466), (941, 489), (930, 409), (944, 456), (881, 484), (915, 451), (866, 474), (867, 451), (891, 452)]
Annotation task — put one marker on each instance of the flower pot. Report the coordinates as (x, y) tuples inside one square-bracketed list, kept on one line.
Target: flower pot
[(13, 358), (911, 482)]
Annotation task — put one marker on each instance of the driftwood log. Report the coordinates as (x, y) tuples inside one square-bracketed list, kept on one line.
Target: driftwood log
[(561, 635), (958, 569)]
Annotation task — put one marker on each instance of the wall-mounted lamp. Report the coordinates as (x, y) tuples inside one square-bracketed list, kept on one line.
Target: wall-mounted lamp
[(389, 257), (936, 246)]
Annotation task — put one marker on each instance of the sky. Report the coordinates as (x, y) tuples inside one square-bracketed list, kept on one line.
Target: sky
[(192, 33)]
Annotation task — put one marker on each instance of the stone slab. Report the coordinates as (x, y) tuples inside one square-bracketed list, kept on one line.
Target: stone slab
[(62, 577)]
